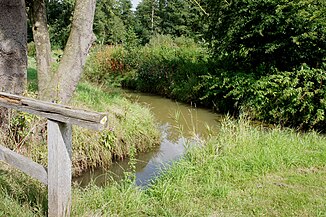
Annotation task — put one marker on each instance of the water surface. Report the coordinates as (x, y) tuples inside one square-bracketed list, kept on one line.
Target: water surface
[(181, 126)]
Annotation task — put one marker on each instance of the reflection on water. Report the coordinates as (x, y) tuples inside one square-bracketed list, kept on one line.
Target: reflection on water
[(186, 119), (181, 126)]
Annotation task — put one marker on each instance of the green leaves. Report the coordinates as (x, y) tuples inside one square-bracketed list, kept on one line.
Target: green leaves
[(284, 34), (294, 98)]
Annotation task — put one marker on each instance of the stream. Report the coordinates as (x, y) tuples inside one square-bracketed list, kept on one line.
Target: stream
[(181, 126)]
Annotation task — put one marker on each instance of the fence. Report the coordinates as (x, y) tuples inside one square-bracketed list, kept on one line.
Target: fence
[(58, 174)]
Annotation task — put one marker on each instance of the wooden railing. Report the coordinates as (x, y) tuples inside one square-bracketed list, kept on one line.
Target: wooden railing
[(58, 174)]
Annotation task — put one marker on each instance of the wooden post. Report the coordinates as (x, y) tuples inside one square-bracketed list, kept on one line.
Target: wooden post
[(58, 175), (59, 168)]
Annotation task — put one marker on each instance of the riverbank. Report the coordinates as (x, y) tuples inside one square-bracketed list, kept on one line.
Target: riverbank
[(181, 69), (241, 171), (131, 129)]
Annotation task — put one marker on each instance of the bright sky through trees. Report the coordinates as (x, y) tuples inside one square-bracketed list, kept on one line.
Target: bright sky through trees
[(135, 3)]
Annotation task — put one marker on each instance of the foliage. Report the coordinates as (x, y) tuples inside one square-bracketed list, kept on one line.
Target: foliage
[(111, 21), (31, 50), (173, 17), (295, 98), (166, 66), (59, 16), (255, 35), (114, 20)]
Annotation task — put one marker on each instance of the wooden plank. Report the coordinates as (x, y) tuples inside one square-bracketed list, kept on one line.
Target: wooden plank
[(24, 164), (61, 113), (59, 168)]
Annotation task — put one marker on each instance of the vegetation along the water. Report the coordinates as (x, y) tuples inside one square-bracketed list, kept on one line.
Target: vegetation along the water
[(241, 171), (258, 60)]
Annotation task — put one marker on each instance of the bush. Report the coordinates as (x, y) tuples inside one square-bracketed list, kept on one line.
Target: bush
[(295, 98), (165, 66), (104, 64)]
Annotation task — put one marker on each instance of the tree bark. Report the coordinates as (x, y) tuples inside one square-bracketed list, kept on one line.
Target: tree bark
[(13, 46), (41, 37), (13, 49), (79, 42)]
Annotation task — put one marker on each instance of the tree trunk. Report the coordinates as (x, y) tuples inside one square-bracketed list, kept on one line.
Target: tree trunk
[(152, 18), (13, 46), (13, 49), (46, 86), (79, 42)]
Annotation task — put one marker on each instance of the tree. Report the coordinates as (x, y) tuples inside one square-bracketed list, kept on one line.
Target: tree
[(41, 38), (59, 17), (13, 48), (173, 17), (148, 21), (61, 84), (111, 18), (265, 34), (124, 12), (79, 42)]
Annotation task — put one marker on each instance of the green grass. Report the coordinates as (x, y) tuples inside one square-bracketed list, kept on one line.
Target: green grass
[(32, 75), (20, 195), (241, 171), (130, 126)]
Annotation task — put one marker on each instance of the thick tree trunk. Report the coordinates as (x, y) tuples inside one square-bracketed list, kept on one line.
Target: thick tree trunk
[(13, 49), (13, 46), (46, 86), (79, 42)]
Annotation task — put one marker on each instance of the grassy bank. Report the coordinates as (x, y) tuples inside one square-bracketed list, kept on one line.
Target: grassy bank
[(242, 171), (131, 127)]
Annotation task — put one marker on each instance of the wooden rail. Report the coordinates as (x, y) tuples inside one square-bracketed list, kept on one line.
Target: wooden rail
[(58, 174)]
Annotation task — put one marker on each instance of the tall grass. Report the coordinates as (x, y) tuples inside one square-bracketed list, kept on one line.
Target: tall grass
[(241, 171), (130, 125), (20, 195)]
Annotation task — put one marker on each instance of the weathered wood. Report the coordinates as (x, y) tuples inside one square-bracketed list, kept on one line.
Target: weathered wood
[(24, 164), (60, 118), (65, 114), (59, 168)]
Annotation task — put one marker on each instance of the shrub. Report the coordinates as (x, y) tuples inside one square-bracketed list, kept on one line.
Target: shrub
[(296, 98), (166, 66)]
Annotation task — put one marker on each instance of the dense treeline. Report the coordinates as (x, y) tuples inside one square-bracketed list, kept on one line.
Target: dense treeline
[(262, 58), (270, 60), (116, 23)]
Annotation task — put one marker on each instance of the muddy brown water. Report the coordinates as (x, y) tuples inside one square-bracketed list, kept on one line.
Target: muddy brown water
[(181, 126)]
